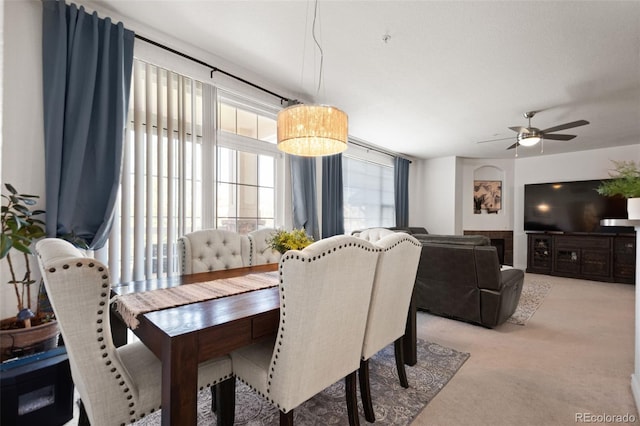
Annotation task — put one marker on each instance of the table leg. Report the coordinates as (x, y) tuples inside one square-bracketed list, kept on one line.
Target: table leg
[(180, 381), (410, 336)]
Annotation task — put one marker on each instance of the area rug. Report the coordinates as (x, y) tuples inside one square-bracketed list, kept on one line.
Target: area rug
[(393, 405), (533, 294)]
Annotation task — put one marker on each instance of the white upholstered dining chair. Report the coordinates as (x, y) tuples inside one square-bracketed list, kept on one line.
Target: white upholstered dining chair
[(324, 303), (212, 250), (373, 234), (390, 299), (261, 251), (116, 385)]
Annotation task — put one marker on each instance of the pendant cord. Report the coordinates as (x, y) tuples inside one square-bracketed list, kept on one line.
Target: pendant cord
[(313, 33)]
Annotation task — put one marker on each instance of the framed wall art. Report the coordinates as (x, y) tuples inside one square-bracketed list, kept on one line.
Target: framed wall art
[(487, 195)]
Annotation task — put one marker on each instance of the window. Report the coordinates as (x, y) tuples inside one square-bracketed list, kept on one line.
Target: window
[(180, 175), (247, 161), (368, 191), (246, 191)]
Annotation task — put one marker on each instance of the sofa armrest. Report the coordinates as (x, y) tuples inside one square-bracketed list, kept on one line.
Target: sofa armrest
[(511, 277), (488, 267)]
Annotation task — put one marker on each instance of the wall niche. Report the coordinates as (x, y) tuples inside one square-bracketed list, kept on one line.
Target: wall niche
[(488, 190)]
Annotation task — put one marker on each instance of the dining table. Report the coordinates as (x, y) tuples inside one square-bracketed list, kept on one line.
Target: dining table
[(184, 336)]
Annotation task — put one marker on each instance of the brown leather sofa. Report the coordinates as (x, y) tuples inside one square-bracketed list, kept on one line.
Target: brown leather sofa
[(460, 277)]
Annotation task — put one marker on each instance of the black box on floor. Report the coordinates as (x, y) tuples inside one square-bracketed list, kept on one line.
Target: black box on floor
[(37, 389)]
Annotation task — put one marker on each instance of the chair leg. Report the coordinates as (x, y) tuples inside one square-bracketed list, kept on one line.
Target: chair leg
[(402, 374), (213, 399), (226, 402), (286, 419), (352, 399), (365, 391), (83, 418)]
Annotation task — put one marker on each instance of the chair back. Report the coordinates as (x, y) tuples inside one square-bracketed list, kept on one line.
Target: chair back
[(374, 234), (79, 290), (324, 302), (212, 250), (392, 289), (260, 249)]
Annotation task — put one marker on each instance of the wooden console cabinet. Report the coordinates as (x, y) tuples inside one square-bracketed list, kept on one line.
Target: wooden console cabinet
[(598, 257)]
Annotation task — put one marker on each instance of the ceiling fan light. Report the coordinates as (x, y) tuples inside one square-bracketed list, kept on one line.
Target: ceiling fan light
[(312, 130), (527, 140)]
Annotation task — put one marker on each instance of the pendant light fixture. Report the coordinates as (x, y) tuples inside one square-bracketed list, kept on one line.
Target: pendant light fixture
[(313, 130)]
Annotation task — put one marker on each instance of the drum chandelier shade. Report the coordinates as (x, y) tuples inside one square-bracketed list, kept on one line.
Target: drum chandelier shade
[(312, 130)]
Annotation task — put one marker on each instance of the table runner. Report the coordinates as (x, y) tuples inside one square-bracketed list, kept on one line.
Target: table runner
[(129, 306)]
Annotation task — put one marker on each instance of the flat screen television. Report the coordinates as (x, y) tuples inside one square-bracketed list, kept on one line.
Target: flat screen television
[(571, 207)]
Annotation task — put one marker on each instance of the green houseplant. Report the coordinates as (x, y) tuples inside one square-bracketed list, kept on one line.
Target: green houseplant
[(283, 240), (624, 182), (21, 227)]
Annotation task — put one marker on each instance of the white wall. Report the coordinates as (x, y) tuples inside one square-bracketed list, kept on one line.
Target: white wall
[(1, 75), (435, 194), (22, 118)]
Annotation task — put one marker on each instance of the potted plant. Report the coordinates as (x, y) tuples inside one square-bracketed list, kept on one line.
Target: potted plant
[(282, 240), (20, 229), (624, 182)]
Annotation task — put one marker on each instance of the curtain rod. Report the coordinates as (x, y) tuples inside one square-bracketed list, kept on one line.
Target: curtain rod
[(372, 148), (283, 99)]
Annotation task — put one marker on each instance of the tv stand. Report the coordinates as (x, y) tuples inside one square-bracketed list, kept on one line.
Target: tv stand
[(597, 257)]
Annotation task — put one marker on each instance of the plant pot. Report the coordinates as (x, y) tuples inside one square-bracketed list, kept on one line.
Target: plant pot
[(16, 342), (633, 208)]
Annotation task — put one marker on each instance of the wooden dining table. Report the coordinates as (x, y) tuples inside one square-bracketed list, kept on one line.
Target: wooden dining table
[(184, 336)]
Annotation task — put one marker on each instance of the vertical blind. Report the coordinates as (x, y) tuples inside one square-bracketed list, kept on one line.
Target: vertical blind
[(368, 193), (162, 174)]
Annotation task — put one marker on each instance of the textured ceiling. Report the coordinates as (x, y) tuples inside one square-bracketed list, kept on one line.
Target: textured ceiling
[(451, 74)]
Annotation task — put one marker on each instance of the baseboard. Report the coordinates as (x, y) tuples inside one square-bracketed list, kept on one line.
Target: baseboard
[(635, 389)]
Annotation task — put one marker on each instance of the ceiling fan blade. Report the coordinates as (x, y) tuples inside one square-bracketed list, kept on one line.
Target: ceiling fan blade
[(559, 137), (514, 145), (566, 126), (494, 140), (519, 129)]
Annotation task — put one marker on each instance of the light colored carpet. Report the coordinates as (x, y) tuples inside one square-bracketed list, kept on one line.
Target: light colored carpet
[(393, 404), (533, 294), (574, 356)]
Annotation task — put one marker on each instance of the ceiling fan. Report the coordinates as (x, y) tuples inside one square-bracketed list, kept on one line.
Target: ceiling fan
[(529, 136)]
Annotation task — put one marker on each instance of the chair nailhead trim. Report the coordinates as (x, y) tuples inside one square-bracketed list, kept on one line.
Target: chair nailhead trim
[(100, 338), (100, 313)]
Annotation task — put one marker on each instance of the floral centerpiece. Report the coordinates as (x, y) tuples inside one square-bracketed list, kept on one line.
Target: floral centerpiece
[(283, 240)]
